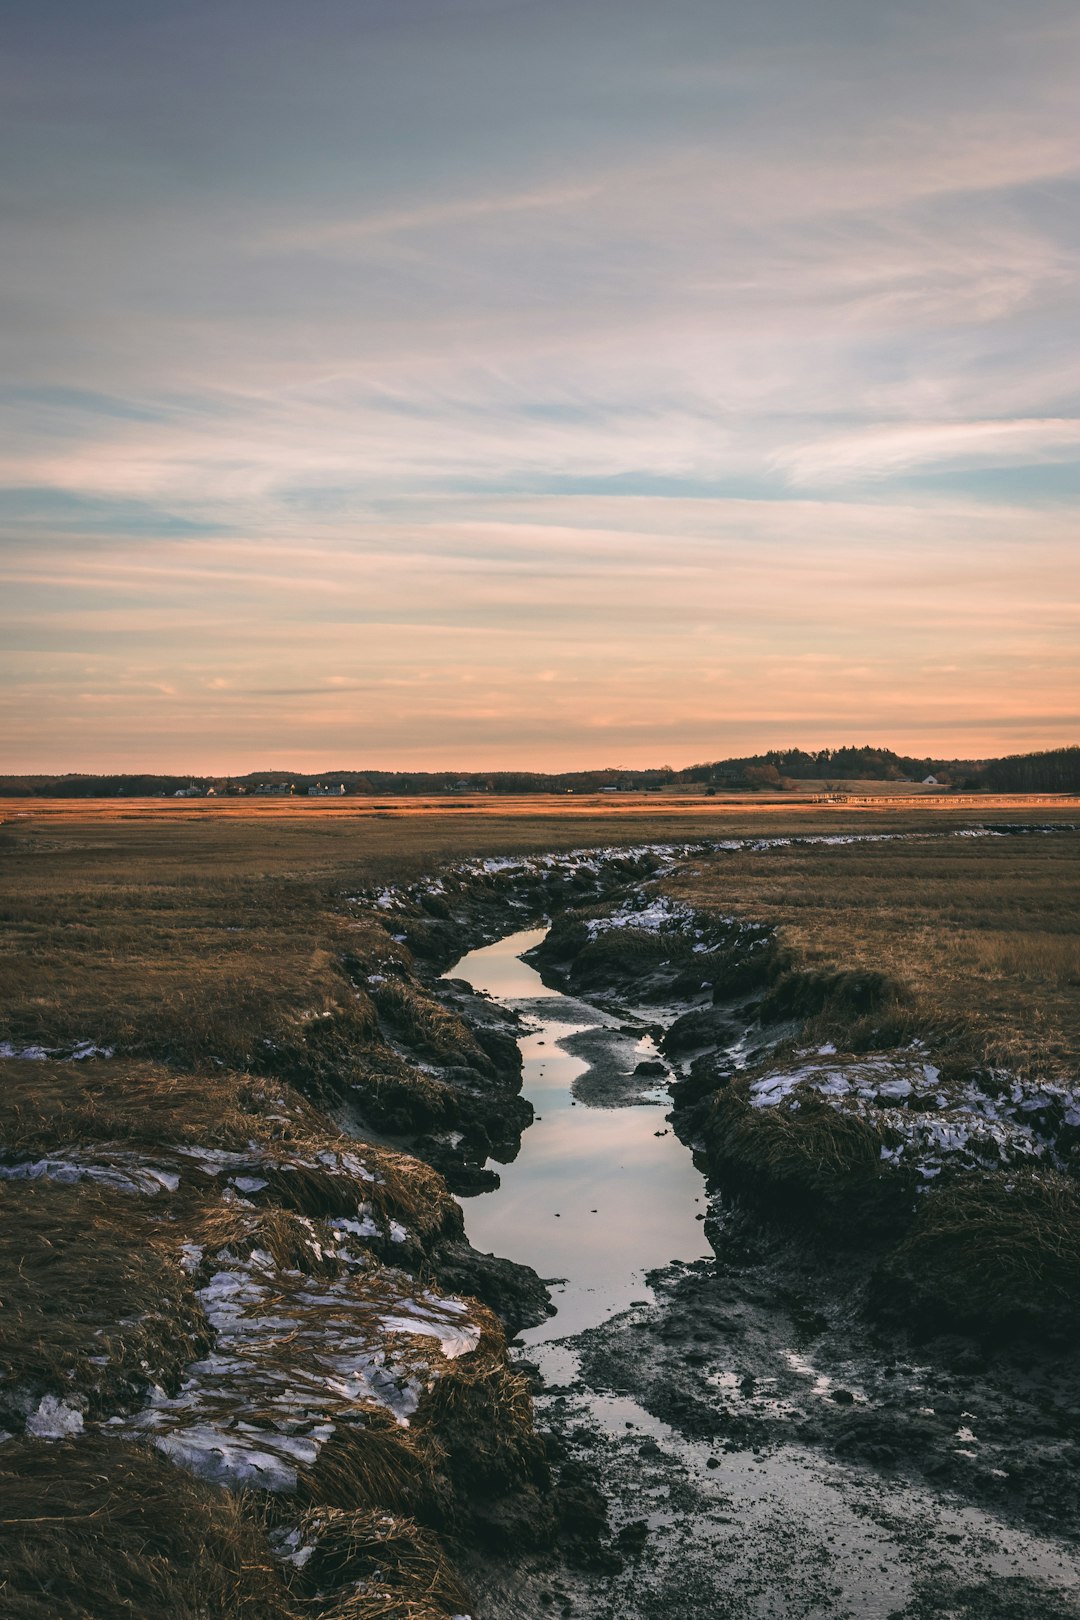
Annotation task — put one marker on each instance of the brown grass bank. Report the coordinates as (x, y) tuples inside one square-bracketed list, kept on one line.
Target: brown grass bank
[(204, 942), (983, 933)]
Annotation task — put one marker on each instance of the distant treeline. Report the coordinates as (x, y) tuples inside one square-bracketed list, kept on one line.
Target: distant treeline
[(389, 783), (867, 764), (1056, 770)]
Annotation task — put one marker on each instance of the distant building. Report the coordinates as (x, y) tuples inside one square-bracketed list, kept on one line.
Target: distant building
[(326, 790), (192, 792), (277, 789), (930, 781)]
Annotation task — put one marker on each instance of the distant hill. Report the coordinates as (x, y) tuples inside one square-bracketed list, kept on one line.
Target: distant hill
[(835, 764)]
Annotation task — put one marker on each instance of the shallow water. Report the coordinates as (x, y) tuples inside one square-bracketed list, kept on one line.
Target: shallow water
[(595, 1197), (598, 1198)]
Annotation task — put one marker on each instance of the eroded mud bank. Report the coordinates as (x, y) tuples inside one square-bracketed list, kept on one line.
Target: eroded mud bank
[(810, 1419), (253, 1282), (324, 1333)]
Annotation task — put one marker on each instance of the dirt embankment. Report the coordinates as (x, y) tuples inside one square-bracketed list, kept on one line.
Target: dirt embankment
[(896, 1223), (249, 1363)]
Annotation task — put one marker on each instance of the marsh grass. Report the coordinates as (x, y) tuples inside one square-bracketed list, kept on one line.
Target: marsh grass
[(975, 941), (107, 1109), (429, 1029), (96, 1305), (142, 1105), (101, 1528), (196, 932), (374, 1464), (387, 1556), (997, 1250), (807, 1157), (398, 1097), (216, 951)]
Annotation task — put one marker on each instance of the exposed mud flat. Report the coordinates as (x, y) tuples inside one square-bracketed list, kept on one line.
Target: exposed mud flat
[(761, 1447)]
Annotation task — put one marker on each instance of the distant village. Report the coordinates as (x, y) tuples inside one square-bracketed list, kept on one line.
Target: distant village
[(265, 790), (289, 790)]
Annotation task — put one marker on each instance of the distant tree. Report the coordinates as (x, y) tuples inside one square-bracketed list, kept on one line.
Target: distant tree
[(761, 776)]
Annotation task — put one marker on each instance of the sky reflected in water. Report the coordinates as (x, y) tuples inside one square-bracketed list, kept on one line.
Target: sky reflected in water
[(595, 1195)]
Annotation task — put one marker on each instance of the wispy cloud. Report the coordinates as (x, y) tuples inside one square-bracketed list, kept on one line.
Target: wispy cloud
[(879, 451), (488, 380)]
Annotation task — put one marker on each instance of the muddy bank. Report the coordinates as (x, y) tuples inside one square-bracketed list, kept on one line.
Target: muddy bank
[(801, 1373), (245, 1296), (329, 1337)]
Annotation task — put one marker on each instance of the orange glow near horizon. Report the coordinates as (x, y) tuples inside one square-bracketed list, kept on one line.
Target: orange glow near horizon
[(635, 406)]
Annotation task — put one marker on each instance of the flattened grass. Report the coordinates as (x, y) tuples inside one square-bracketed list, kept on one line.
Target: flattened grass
[(96, 1305), (101, 1528), (117, 1105)]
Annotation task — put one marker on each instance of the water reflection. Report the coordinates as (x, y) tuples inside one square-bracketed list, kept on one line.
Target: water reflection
[(595, 1196)]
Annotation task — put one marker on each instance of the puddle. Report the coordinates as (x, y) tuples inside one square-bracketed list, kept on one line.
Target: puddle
[(595, 1197)]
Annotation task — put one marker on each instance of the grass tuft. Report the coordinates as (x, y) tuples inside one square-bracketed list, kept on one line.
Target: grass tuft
[(96, 1306), (999, 1251), (810, 1155), (102, 1528), (382, 1555)]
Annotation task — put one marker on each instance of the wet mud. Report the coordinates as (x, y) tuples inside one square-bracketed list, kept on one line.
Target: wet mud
[(745, 1438)]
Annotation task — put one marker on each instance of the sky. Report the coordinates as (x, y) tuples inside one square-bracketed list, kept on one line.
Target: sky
[(519, 383)]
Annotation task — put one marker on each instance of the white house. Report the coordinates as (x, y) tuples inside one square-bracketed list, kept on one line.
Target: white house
[(930, 781), (326, 790)]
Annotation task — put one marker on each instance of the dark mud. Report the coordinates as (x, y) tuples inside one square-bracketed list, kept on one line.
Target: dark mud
[(763, 1444), (760, 1433)]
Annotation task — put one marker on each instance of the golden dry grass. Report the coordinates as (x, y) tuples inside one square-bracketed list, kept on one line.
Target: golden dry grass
[(980, 936), (100, 1529), (194, 930)]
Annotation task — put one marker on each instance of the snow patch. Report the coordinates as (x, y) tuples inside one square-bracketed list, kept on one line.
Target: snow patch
[(54, 1419)]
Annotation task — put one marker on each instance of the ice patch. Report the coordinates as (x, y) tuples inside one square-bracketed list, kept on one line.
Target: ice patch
[(61, 1054), (54, 1419), (235, 1462), (130, 1178), (655, 915), (294, 1357), (363, 1228), (929, 1121)]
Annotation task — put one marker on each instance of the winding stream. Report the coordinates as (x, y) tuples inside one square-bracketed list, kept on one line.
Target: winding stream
[(596, 1196)]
